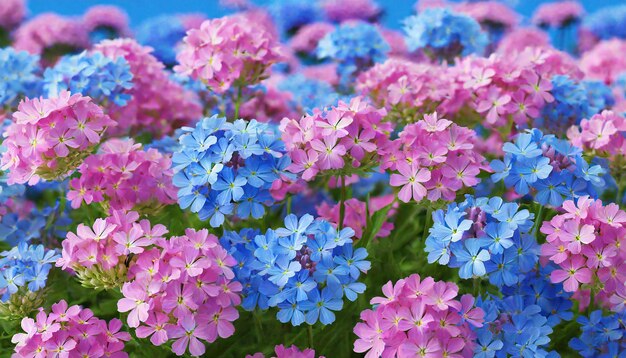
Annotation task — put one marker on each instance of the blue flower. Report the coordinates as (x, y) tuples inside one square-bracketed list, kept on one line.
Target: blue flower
[(162, 33), (321, 307), (451, 228), (471, 258), (445, 33), (230, 187), (290, 311)]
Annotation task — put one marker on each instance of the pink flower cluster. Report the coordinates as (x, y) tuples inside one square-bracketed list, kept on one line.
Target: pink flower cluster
[(356, 215), (267, 105), (407, 89), (489, 12), (182, 289), (158, 104), (106, 16), (308, 36), (558, 13), (342, 10), (287, 352), (122, 176), (51, 137), (602, 133), (48, 30), (587, 242), (522, 37), (70, 332), (108, 243), (419, 317), (604, 61), (226, 52), (433, 158), (12, 12), (341, 138)]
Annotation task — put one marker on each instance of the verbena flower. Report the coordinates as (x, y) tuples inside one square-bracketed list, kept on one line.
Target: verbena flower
[(67, 331), (92, 75), (221, 164), (418, 316), (354, 47), (444, 33), (51, 137), (305, 269), (484, 237)]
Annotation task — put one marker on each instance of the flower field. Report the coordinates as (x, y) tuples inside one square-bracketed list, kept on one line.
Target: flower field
[(295, 179)]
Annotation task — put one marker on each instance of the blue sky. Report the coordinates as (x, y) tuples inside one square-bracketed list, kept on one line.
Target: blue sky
[(140, 10)]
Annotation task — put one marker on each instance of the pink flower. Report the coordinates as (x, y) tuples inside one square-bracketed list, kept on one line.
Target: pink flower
[(370, 335), (421, 346), (416, 318), (220, 323), (135, 300), (494, 104), (304, 162), (410, 178), (577, 235), (155, 328), (330, 152), (132, 241), (573, 273), (188, 333)]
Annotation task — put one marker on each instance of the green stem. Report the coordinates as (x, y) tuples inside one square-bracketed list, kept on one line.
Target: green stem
[(429, 213), (620, 189), (342, 203), (538, 220), (258, 326), (288, 204), (310, 333), (238, 102), (476, 285)]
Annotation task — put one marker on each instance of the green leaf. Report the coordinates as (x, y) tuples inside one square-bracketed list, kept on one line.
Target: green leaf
[(374, 225)]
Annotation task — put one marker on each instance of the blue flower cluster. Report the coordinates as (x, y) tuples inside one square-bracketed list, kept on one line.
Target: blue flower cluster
[(355, 47), (602, 336), (20, 76), (25, 266), (570, 105), (91, 74), (162, 33), (484, 236), (608, 22), (599, 95), (552, 168), (444, 33), (223, 164), (289, 15), (309, 93), (305, 269), (519, 323)]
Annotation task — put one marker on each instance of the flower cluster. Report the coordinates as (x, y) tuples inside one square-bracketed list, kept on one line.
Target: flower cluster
[(12, 12), (221, 164), (337, 141), (105, 22), (444, 34), (570, 105), (182, 290), (585, 242), (418, 317), (228, 52), (340, 11), (602, 62), (20, 76), (408, 90), (94, 75), (70, 332), (98, 254), (51, 137), (158, 104), (305, 269), (307, 38), (23, 272), (601, 133), (163, 34), (122, 176), (51, 36), (558, 13), (549, 168), (308, 94), (484, 236), (355, 47), (290, 15), (602, 336), (606, 23), (356, 214), (434, 159)]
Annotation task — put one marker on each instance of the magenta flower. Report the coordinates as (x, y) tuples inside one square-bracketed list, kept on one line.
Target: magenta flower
[(572, 274), (155, 328), (188, 333), (330, 152)]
